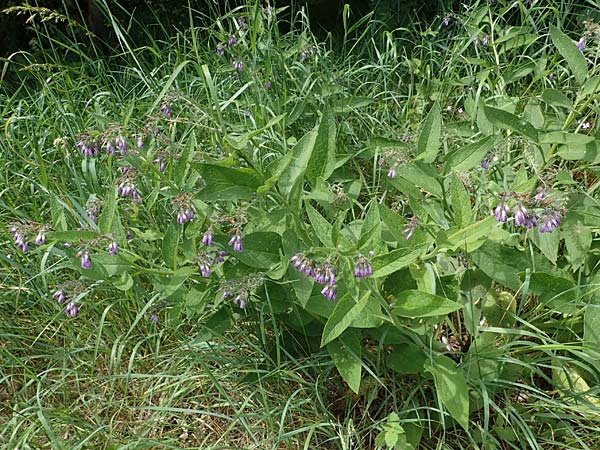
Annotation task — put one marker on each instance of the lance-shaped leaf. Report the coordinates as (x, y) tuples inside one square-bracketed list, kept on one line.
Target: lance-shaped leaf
[(428, 144), (574, 58)]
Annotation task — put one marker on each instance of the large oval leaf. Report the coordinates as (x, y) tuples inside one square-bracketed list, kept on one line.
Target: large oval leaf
[(413, 303)]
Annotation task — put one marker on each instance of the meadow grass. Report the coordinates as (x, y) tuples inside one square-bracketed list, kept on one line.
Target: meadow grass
[(113, 378)]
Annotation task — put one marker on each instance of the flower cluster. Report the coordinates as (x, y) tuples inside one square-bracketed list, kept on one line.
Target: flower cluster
[(234, 221), (68, 293), (241, 289), (236, 242), (539, 211), (392, 158), (88, 145), (84, 251), (186, 211), (206, 259), (591, 29), (411, 226), (126, 183), (20, 232), (93, 208), (363, 267), (322, 273)]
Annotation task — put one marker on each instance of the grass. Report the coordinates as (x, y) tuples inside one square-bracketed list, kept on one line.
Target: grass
[(111, 378)]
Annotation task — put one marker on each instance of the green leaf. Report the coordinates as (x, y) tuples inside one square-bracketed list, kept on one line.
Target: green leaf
[(226, 183), (468, 156), (345, 352), (562, 137), (413, 303), (501, 263), (407, 359), (71, 236), (591, 327), (421, 175), (123, 282), (393, 222), (591, 86), (168, 284), (461, 202), (556, 293), (556, 98), (109, 208), (547, 243), (181, 167), (298, 161), (322, 161), (504, 119), (370, 316), (574, 58), (170, 244), (589, 152), (578, 239), (320, 226), (395, 260), (261, 250), (346, 311), (451, 388), (466, 238), (371, 227), (428, 145)]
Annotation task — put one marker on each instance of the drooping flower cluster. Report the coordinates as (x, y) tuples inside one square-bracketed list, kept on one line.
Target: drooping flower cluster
[(411, 226), (539, 211), (93, 208), (166, 109), (22, 231), (86, 248), (90, 142), (88, 145), (591, 29), (234, 222), (392, 159), (324, 273), (126, 183), (184, 205), (68, 293), (241, 289), (363, 267), (207, 259), (236, 242)]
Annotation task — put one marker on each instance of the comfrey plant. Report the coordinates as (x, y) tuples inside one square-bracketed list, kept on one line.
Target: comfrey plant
[(390, 240)]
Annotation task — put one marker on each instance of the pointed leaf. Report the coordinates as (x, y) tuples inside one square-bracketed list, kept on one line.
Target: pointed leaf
[(322, 161), (451, 388), (573, 56), (504, 119), (413, 303), (461, 202), (345, 312), (296, 167), (170, 243), (345, 352), (320, 226), (428, 145)]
